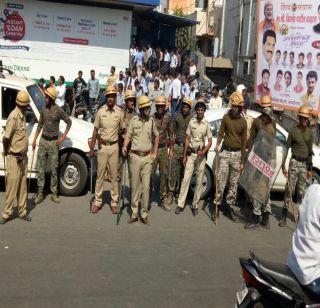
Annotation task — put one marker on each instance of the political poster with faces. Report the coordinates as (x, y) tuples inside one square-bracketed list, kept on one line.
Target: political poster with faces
[(288, 53)]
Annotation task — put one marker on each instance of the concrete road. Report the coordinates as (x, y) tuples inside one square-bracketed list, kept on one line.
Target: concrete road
[(67, 257)]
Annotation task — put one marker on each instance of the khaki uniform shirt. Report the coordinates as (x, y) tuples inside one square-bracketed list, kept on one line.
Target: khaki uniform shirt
[(141, 133), (109, 122), (198, 133), (16, 132)]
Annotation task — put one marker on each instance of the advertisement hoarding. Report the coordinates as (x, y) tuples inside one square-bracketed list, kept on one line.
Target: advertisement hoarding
[(288, 53), (39, 39)]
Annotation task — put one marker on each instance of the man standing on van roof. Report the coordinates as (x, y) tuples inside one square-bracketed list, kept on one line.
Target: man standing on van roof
[(50, 117), (15, 148)]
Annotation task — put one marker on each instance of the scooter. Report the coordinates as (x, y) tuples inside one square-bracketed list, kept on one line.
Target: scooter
[(269, 284)]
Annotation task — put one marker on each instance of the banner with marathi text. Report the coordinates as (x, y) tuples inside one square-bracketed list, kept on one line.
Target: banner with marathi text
[(288, 52)]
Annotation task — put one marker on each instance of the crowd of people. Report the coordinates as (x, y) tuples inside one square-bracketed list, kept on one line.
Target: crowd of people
[(168, 76)]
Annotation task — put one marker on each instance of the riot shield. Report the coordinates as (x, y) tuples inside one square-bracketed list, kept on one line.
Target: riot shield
[(262, 166)]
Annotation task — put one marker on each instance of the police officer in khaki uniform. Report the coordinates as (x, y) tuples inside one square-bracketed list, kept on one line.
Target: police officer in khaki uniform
[(15, 148), (108, 123), (142, 130), (164, 126), (300, 140), (195, 156), (233, 132)]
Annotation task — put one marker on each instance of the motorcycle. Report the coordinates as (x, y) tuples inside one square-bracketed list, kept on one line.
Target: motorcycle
[(269, 284)]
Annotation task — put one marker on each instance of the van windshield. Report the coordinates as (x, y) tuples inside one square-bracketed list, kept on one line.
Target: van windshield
[(37, 96)]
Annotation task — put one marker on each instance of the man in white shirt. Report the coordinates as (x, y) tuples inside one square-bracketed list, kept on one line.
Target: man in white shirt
[(215, 100), (193, 92), (166, 85), (166, 61), (304, 258), (192, 68), (131, 80), (132, 53), (185, 88), (121, 79), (173, 63), (61, 91), (93, 89), (175, 92)]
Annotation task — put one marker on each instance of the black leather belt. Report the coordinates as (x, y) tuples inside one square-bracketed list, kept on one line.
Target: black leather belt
[(16, 154), (299, 159), (230, 149), (195, 151), (48, 138)]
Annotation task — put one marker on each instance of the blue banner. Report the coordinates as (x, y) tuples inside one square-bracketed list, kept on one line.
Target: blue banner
[(145, 2)]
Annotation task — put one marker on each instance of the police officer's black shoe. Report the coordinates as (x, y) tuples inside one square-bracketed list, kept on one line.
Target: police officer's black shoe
[(26, 218), (265, 223), (283, 221), (194, 211), (254, 223), (178, 210), (231, 214), (3, 220)]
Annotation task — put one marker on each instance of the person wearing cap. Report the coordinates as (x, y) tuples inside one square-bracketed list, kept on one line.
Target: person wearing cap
[(233, 132), (264, 121), (48, 151), (113, 77), (163, 124), (15, 148), (143, 136), (300, 141), (180, 124), (241, 88), (109, 124), (195, 156)]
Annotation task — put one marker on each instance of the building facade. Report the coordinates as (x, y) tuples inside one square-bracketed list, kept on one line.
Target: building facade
[(238, 38)]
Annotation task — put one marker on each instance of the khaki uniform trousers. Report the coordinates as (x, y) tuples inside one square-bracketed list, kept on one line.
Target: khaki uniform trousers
[(108, 158), (140, 168), (193, 163), (16, 186)]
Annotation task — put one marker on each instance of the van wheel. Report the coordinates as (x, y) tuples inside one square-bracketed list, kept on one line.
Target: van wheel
[(206, 183), (73, 174)]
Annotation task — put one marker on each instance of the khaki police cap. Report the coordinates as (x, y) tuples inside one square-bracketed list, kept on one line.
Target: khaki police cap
[(129, 94), (161, 101), (51, 92), (187, 100), (236, 99), (23, 98), (111, 90), (305, 111), (266, 101), (144, 101)]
